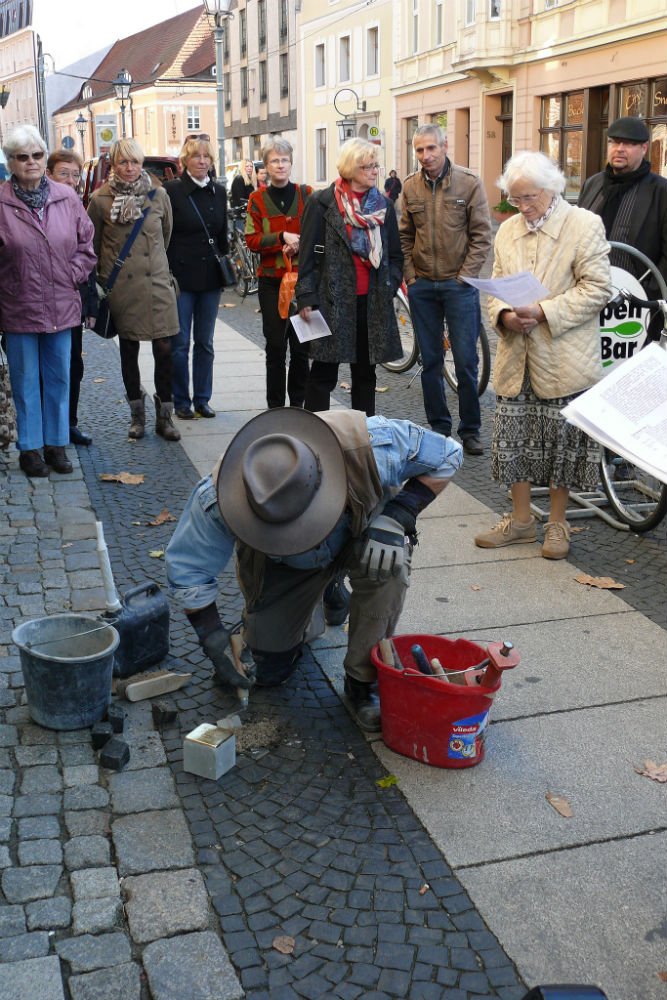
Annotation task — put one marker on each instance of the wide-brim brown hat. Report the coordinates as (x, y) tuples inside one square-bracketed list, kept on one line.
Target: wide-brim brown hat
[(282, 483)]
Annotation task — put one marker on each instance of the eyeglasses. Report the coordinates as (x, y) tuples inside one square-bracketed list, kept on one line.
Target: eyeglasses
[(624, 142), (203, 137), (24, 157), (371, 167), (278, 162), (66, 174), (527, 199)]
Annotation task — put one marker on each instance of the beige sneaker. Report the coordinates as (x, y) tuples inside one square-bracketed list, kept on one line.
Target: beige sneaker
[(556, 540), (507, 532)]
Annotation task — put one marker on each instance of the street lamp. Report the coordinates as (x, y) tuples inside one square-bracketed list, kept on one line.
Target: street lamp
[(122, 85), (4, 97), (219, 10), (347, 127), (82, 127)]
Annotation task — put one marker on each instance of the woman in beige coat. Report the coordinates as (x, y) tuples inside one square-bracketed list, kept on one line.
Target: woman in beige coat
[(548, 351), (142, 301)]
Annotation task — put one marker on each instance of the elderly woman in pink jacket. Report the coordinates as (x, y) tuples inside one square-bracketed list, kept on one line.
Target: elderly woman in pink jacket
[(46, 251), (548, 351)]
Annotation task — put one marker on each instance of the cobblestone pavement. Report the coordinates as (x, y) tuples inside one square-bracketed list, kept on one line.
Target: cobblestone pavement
[(298, 840), (639, 561)]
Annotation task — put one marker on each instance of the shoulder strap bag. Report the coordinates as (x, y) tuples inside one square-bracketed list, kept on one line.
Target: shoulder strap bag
[(104, 326), (226, 269)]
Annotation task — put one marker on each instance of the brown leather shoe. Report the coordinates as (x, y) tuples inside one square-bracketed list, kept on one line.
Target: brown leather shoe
[(56, 457), (32, 463)]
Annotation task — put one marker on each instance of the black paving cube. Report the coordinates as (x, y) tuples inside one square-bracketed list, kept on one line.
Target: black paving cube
[(163, 713), (116, 716), (100, 734), (115, 755)]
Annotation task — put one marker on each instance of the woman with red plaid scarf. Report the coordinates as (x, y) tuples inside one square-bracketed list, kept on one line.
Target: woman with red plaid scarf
[(350, 267)]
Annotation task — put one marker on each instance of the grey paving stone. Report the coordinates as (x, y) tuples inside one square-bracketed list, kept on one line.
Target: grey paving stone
[(80, 774), (6, 805), (8, 736), (20, 885), (39, 828), (5, 857), (193, 965), (40, 852), (38, 805), (87, 952), (124, 984), (7, 780), (87, 823), (12, 921), (165, 903), (77, 755), (137, 791), (85, 797), (23, 946), (152, 841), (146, 748), (94, 883), (49, 914), (34, 979), (92, 916), (87, 852)]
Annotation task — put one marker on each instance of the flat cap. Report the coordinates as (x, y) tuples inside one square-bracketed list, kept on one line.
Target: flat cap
[(633, 129)]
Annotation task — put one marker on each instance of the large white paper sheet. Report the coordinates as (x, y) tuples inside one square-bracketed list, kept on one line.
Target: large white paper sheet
[(627, 411), (516, 289), (310, 331)]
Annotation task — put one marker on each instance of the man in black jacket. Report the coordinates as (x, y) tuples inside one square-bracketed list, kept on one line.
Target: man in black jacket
[(632, 201)]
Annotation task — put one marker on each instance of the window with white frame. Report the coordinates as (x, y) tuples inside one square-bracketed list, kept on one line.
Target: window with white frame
[(548, 4), (372, 51), (439, 22), (415, 26), (320, 65), (284, 75), (244, 86), (471, 12), (494, 10), (344, 59), (320, 154), (193, 118), (262, 80)]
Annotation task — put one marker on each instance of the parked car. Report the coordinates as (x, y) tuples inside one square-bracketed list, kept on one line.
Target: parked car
[(95, 172)]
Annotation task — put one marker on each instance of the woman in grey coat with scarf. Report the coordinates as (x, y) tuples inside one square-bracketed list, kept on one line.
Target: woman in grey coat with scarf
[(350, 267)]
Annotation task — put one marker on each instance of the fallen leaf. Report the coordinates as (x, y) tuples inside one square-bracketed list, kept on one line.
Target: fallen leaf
[(663, 975), (382, 388), (629, 561), (560, 804), (284, 944), (129, 478), (387, 782), (229, 305), (475, 588), (658, 772), (577, 527), (424, 889), (258, 310), (98, 380), (163, 516), (156, 553), (344, 385), (601, 582), (66, 545)]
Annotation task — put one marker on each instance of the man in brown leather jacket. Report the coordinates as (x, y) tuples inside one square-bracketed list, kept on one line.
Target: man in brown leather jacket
[(445, 232)]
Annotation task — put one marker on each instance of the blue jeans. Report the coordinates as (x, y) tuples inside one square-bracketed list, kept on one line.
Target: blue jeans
[(42, 413), (197, 312), (431, 302)]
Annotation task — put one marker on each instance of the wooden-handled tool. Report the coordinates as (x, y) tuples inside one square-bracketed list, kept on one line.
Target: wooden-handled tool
[(237, 644), (389, 654)]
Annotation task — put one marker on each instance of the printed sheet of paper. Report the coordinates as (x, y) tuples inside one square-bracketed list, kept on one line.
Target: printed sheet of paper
[(516, 289), (310, 331), (627, 410)]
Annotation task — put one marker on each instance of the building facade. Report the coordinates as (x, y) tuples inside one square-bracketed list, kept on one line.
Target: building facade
[(510, 75), (21, 68)]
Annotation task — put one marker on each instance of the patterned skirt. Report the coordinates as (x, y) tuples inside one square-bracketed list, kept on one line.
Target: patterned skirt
[(533, 443)]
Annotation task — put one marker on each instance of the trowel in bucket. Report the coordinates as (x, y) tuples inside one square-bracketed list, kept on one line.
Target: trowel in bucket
[(140, 616)]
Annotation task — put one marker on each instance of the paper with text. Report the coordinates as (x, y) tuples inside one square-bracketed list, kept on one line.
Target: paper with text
[(516, 289), (310, 331)]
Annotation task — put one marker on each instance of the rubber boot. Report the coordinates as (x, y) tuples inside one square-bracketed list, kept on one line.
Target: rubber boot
[(164, 424), (138, 421)]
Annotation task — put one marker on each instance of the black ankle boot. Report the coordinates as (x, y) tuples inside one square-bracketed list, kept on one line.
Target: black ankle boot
[(336, 601), (365, 704)]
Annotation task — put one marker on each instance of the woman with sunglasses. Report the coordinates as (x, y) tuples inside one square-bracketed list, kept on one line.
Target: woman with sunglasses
[(46, 252)]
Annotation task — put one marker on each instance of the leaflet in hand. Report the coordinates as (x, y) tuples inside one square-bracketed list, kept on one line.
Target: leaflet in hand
[(627, 411), (316, 328), (516, 289)]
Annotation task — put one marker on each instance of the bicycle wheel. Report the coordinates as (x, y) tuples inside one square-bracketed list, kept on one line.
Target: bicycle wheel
[(637, 498), (407, 335), (238, 259), (483, 363)]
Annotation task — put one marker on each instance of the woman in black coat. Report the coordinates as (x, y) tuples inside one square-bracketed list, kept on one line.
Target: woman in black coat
[(350, 267), (199, 205)]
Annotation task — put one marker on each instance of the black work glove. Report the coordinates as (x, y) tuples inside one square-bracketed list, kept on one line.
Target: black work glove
[(384, 548), (217, 647)]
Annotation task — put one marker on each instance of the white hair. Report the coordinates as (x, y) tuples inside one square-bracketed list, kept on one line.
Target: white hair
[(20, 138), (538, 168)]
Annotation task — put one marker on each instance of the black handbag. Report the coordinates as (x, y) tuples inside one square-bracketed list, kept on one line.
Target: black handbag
[(226, 269), (104, 325)]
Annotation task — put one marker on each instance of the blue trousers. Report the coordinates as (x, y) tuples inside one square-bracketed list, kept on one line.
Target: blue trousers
[(431, 303), (42, 415), (197, 313)]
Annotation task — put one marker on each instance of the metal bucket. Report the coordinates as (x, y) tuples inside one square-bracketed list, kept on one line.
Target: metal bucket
[(67, 663)]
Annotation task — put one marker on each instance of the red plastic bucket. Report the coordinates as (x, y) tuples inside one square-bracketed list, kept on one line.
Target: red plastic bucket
[(428, 718)]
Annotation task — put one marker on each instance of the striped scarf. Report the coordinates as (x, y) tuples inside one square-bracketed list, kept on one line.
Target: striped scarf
[(365, 215)]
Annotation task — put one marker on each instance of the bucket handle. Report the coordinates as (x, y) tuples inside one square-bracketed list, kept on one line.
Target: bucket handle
[(74, 635)]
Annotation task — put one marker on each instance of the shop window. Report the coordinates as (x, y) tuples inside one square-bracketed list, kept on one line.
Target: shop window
[(506, 119), (411, 125), (561, 134)]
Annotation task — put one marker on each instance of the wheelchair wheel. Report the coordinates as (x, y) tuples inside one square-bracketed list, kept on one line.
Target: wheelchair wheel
[(637, 498)]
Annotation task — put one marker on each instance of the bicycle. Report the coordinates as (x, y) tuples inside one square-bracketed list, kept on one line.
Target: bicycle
[(244, 261), (410, 346), (637, 498)]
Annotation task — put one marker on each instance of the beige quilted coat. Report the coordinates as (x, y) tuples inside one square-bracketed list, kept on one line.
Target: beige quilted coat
[(570, 256)]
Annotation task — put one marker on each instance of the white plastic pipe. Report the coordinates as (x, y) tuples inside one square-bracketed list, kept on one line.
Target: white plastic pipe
[(113, 604)]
